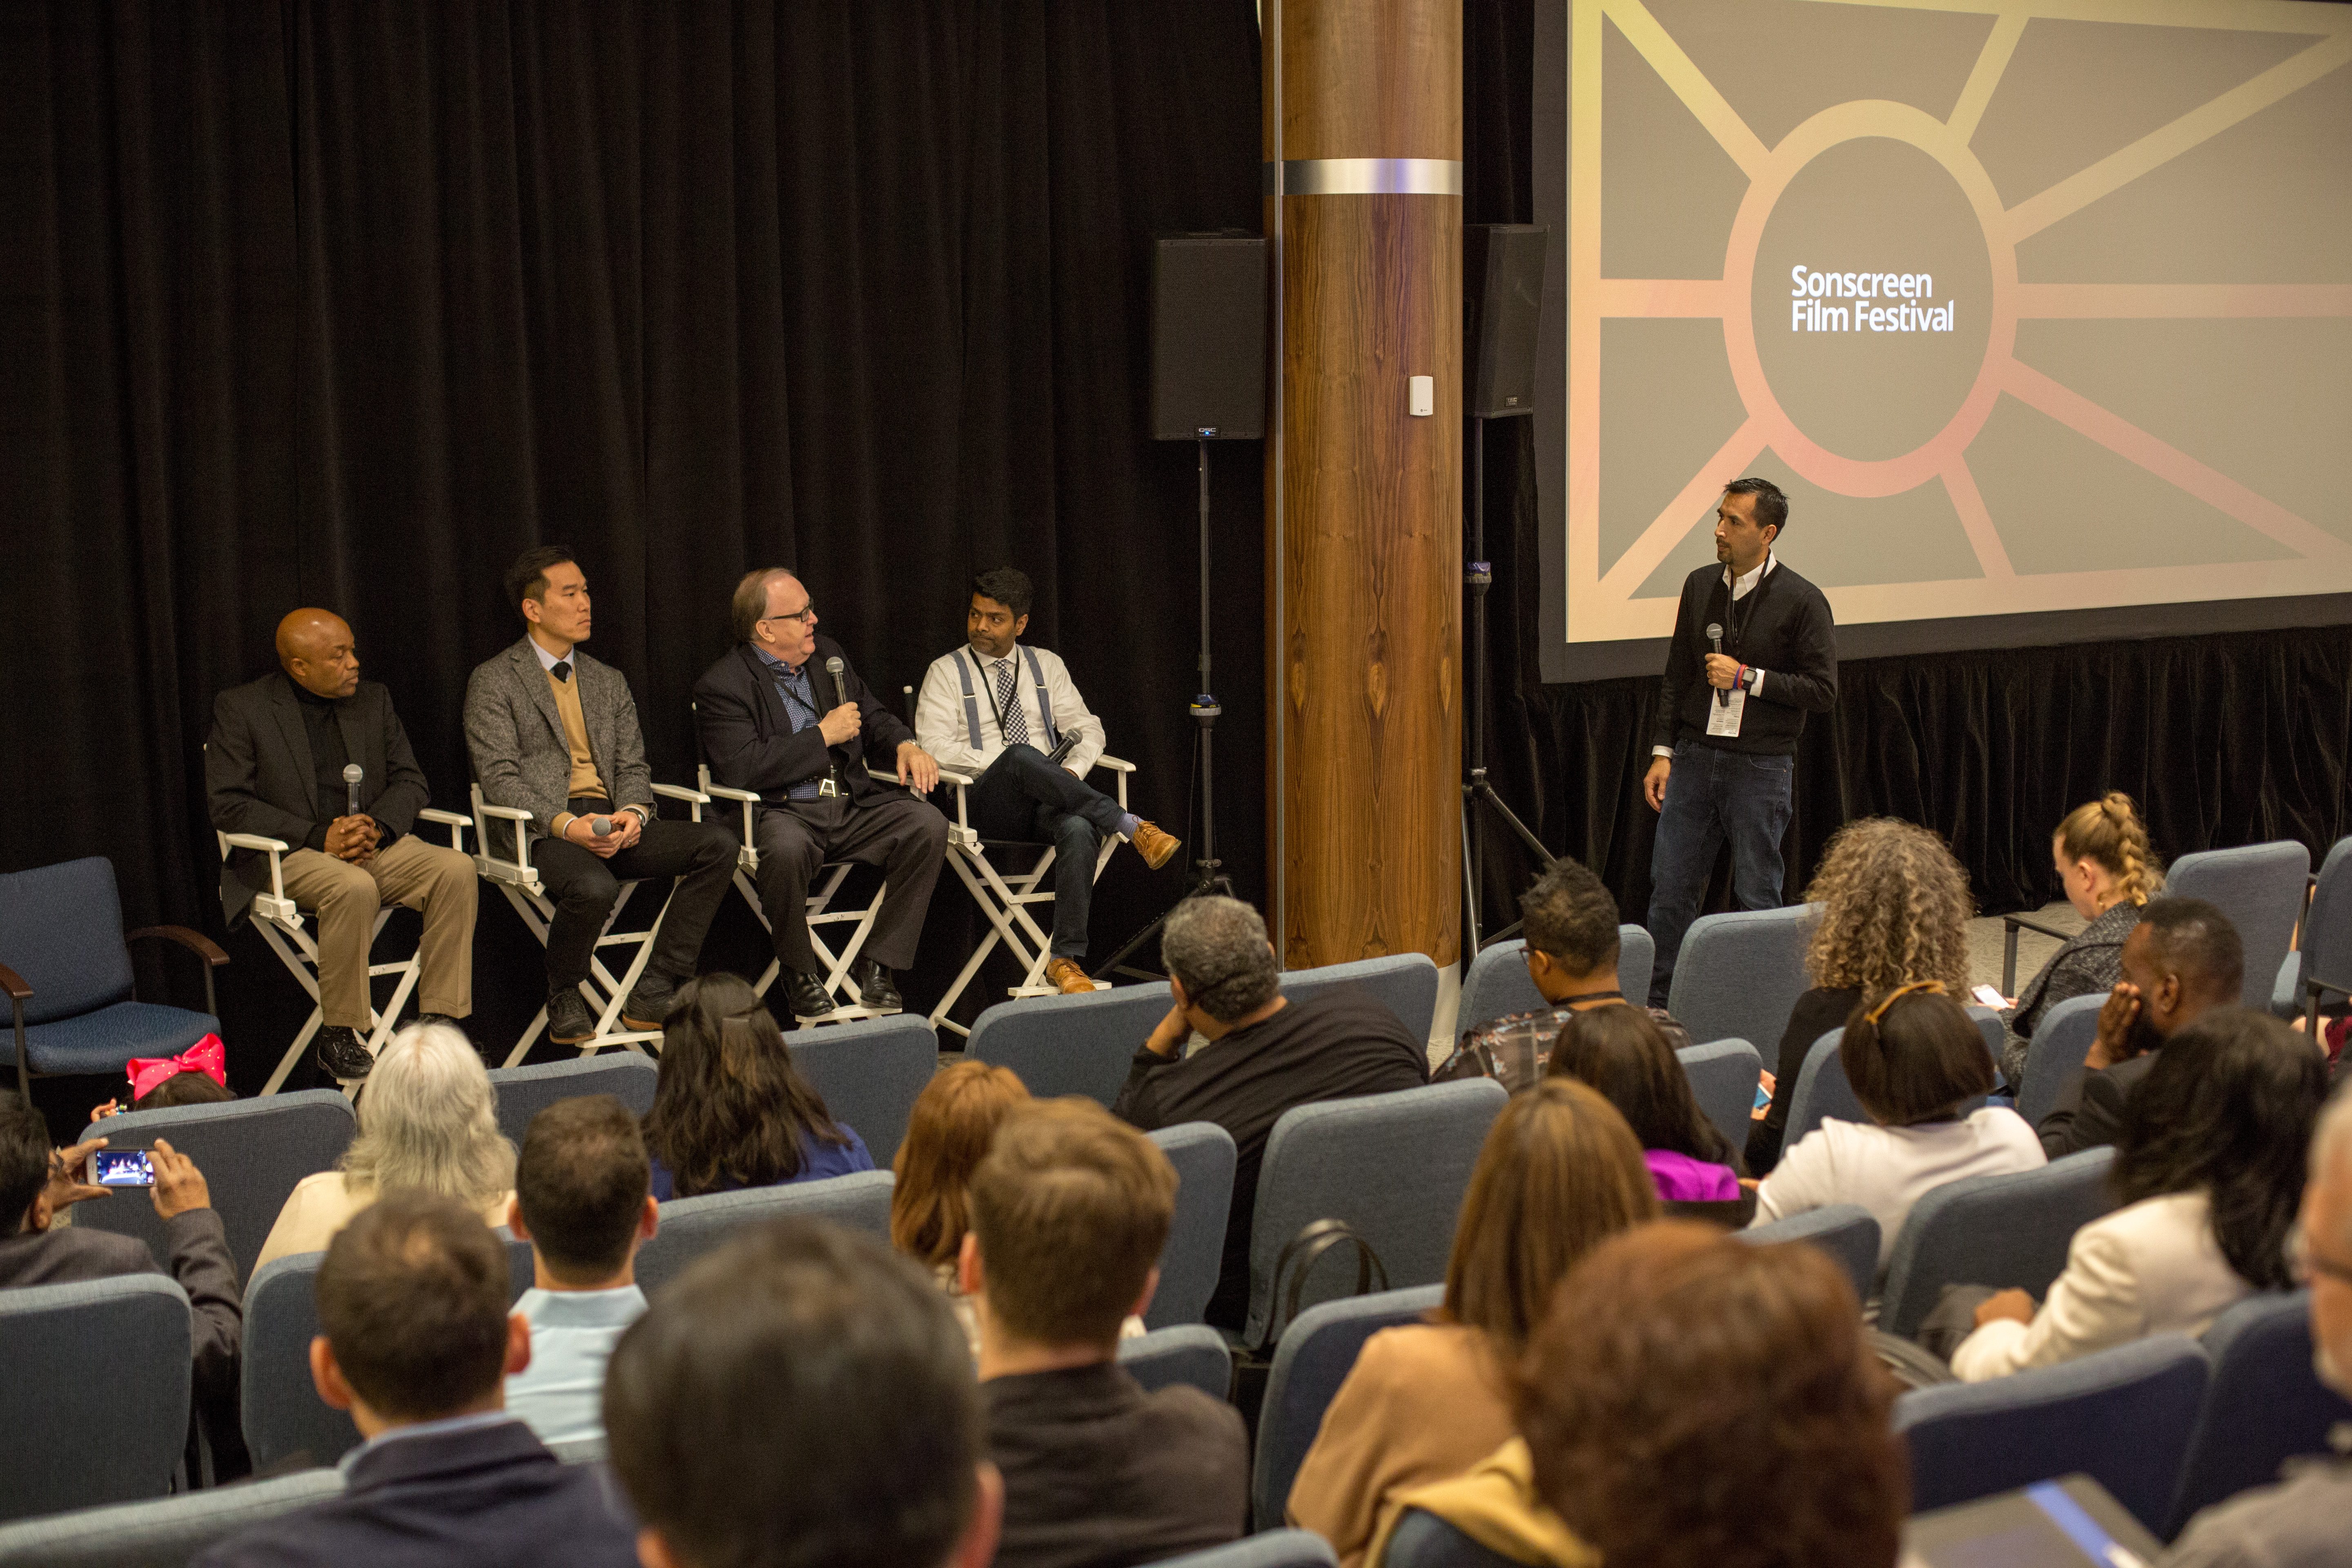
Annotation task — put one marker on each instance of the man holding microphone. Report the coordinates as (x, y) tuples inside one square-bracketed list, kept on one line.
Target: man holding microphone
[(1754, 650)]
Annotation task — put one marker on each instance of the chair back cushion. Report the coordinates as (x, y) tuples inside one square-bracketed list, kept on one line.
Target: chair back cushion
[(284, 1416), (252, 1152), (2263, 1406), (1393, 1165), (870, 1073), (61, 930), (1739, 974), (1267, 1549), (119, 1346), (1204, 1158), (524, 1092), (1313, 1358), (692, 1226), (168, 1533), (1191, 1353), (2060, 1043), (1069, 1045), (1846, 1232), (1822, 1091), (2324, 951), (1497, 982), (1422, 1540), (1406, 981), (1723, 1078), (2260, 886), (1993, 1230), (2121, 1416)]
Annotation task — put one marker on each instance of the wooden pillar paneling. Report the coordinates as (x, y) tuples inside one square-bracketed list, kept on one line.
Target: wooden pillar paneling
[(1367, 651)]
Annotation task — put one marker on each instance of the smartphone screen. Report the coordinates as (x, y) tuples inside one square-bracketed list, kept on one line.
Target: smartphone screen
[(122, 1168), (1989, 997)]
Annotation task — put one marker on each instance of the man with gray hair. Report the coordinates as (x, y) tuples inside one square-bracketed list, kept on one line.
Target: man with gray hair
[(1262, 1055), (2301, 1522)]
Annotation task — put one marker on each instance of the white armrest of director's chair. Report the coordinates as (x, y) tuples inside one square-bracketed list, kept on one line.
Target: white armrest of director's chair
[(273, 905), (962, 835), (456, 823), (517, 870), (748, 856)]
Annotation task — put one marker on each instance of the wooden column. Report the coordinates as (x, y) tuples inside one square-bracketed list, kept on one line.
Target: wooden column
[(1363, 143)]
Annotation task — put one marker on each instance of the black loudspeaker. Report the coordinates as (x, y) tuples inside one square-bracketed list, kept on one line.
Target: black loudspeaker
[(1208, 337), (1502, 308)]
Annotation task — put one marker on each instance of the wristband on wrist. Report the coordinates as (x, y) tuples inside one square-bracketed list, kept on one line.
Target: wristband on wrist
[(1740, 680)]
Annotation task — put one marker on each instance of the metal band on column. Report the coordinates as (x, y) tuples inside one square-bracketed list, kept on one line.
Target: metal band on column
[(1366, 177)]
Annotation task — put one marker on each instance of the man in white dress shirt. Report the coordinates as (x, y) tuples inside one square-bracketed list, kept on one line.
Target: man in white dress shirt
[(997, 710)]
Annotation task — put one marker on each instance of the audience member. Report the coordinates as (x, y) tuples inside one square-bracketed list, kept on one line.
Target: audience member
[(1559, 1173), (2109, 871), (1916, 1060), (1264, 1055), (947, 1135), (428, 1121), (2209, 1168), (1623, 1053), (581, 1201), (1069, 1213), (198, 1076), (730, 1108), (2181, 961), (2300, 1522), (1691, 1399), (798, 1397), (1894, 909), (414, 1338)]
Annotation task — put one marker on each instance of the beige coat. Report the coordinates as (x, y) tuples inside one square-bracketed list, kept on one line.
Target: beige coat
[(320, 1205)]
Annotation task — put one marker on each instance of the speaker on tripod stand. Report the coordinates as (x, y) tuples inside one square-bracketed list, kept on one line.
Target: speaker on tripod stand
[(1502, 307)]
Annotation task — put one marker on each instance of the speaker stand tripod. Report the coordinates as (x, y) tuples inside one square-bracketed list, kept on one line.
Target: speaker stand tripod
[(1478, 576), (1208, 872)]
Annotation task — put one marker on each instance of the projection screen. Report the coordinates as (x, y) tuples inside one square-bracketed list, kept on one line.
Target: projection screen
[(2041, 313)]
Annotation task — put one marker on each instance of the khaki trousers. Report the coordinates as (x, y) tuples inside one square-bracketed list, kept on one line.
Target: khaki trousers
[(432, 878)]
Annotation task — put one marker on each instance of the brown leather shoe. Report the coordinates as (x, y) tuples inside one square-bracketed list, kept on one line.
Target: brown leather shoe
[(1156, 847), (1065, 973)]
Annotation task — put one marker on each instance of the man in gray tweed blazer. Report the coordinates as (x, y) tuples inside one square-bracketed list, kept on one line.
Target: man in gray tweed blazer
[(554, 732)]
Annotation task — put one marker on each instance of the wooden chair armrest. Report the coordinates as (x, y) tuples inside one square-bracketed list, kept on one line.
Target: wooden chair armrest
[(12, 984), (195, 941)]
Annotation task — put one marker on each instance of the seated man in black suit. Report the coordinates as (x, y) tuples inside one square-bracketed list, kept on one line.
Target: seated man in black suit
[(2182, 962), (785, 716), (414, 1340), (275, 767), (1262, 1056), (801, 1394)]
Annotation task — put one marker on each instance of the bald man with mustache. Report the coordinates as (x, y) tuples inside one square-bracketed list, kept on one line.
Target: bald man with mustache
[(275, 767)]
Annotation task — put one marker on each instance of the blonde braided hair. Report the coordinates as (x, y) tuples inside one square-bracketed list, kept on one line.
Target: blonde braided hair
[(2109, 833), (1896, 910)]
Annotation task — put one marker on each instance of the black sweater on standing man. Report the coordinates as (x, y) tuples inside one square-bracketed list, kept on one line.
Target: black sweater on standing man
[(1782, 626)]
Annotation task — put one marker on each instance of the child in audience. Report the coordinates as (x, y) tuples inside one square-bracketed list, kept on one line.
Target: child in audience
[(2210, 1169), (1915, 1059), (1559, 1172), (730, 1108), (582, 1201), (198, 1076), (1623, 1052), (948, 1134)]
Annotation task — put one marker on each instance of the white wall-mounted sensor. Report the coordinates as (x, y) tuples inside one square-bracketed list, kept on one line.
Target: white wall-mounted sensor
[(1420, 396)]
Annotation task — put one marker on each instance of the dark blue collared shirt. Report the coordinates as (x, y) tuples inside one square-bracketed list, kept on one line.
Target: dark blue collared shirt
[(799, 695)]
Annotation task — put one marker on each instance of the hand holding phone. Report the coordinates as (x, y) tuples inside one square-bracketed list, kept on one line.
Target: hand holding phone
[(1988, 997), (120, 1168)]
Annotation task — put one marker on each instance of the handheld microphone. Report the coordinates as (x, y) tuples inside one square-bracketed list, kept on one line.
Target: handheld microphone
[(352, 773), (833, 668), (602, 827), (1715, 639)]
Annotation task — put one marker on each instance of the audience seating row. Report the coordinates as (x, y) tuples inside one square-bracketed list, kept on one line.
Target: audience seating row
[(1496, 982), (1823, 1090)]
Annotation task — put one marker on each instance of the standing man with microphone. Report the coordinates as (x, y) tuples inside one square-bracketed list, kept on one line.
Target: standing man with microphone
[(1754, 651), (785, 716)]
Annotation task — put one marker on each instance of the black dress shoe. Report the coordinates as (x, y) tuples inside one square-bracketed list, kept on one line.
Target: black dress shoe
[(569, 1022), (808, 996), (342, 1053), (875, 989), (650, 1002)]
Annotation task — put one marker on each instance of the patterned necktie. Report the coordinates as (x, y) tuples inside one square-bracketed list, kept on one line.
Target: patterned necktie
[(1016, 723)]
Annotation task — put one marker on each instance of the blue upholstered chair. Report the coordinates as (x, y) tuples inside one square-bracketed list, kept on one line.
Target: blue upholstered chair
[(1191, 1353), (1823, 1090), (2319, 972), (1204, 1158), (1393, 1166), (1407, 981), (1723, 1078), (1496, 982), (1739, 974), (1069, 1045), (1845, 1231), (1312, 1359), (2060, 1042), (692, 1226), (65, 964), (2003, 1231), (282, 1411), (252, 1152), (2122, 1417), (523, 1092), (870, 1071), (1422, 1540), (167, 1533), (1267, 1549), (98, 1385), (2263, 1406), (2261, 888)]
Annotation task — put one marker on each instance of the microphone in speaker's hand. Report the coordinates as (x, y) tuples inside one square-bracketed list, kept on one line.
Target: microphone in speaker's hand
[(1715, 640), (833, 667), (352, 773)]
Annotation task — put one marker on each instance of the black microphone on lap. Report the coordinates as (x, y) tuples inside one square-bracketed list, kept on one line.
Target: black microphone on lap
[(352, 773), (1714, 636)]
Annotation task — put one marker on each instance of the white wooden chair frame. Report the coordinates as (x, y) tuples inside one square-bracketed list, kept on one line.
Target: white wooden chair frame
[(1006, 900), (280, 925), (519, 880)]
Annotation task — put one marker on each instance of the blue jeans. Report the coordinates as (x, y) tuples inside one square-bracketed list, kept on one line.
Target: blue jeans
[(1712, 795), (1023, 796)]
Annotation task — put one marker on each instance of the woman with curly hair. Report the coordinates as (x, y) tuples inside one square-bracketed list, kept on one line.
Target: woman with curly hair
[(948, 1134), (1895, 912), (2110, 871)]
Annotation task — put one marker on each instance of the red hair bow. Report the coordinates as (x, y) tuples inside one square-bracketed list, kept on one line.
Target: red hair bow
[(206, 1057)]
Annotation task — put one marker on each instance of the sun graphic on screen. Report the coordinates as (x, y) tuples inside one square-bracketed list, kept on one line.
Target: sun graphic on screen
[(1937, 302)]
